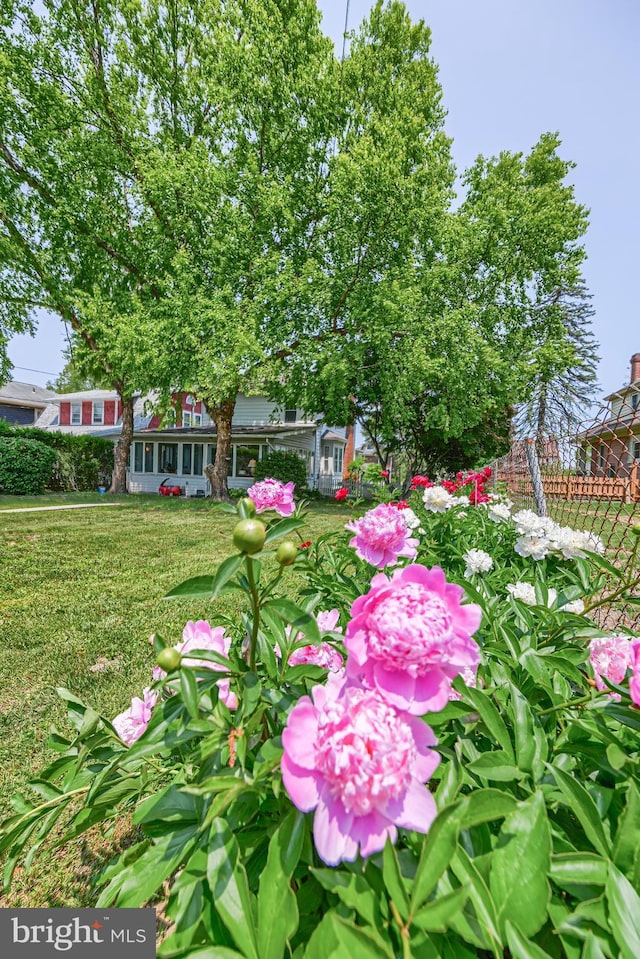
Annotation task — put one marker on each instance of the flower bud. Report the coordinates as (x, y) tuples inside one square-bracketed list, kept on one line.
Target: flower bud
[(169, 659), (246, 507), (286, 553), (249, 536)]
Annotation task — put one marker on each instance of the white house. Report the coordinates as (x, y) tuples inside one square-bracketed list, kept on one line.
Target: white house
[(162, 452)]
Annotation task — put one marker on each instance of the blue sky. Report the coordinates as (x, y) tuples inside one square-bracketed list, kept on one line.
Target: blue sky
[(510, 70)]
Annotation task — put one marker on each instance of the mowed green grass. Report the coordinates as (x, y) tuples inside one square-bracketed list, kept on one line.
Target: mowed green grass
[(83, 588)]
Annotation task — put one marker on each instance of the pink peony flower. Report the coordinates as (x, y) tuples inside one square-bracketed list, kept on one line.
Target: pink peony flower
[(200, 635), (610, 656), (382, 536), (409, 636), (325, 654), (470, 679), (131, 724), (634, 682), (361, 765), (272, 494)]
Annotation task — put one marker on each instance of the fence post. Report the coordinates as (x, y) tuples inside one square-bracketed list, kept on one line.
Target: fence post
[(634, 483), (569, 488), (536, 477)]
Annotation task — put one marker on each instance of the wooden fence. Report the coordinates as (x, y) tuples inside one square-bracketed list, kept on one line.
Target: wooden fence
[(569, 486)]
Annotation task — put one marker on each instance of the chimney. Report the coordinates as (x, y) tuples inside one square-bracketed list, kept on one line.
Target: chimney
[(350, 449), (635, 368)]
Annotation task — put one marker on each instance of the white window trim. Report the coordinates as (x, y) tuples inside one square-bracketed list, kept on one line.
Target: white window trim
[(97, 406), (77, 407)]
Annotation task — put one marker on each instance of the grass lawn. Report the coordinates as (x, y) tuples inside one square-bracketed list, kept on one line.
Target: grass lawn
[(80, 593)]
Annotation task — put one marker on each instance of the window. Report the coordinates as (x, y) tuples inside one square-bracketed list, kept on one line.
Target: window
[(338, 456), (636, 451), (98, 413), (211, 457), (601, 456), (142, 457), (197, 459), (326, 450), (76, 413), (246, 459), (187, 456), (186, 418), (291, 416), (167, 457), (197, 419), (635, 399)]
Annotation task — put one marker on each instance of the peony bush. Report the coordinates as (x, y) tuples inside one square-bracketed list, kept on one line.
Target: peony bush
[(429, 750)]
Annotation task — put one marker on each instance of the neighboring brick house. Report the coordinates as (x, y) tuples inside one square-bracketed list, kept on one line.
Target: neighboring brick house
[(612, 447), (22, 403), (160, 452)]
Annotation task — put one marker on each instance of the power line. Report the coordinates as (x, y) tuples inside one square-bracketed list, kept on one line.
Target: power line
[(27, 369)]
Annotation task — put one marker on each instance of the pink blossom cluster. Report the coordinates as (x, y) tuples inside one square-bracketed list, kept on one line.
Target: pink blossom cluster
[(382, 536), (325, 654), (131, 724), (611, 657), (357, 751), (272, 494)]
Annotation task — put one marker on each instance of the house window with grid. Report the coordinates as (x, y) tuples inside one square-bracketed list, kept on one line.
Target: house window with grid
[(338, 457), (97, 416), (602, 456), (291, 416), (636, 452), (76, 414), (635, 401), (186, 418), (142, 457)]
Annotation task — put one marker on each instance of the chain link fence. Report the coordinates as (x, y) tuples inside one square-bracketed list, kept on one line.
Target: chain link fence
[(587, 477)]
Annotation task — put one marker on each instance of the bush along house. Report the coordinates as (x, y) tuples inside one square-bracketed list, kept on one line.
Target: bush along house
[(179, 452)]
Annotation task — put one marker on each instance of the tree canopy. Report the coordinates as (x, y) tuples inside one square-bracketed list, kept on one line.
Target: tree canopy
[(215, 203)]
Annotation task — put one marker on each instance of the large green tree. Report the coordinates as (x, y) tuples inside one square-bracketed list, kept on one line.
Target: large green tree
[(201, 189)]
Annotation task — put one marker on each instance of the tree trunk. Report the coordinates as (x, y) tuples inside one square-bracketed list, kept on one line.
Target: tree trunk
[(222, 415), (122, 449), (541, 423)]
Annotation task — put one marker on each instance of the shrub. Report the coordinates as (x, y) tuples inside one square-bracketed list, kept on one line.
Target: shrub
[(25, 466), (283, 465), (82, 462)]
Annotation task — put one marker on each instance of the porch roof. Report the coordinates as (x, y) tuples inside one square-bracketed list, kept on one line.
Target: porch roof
[(206, 432)]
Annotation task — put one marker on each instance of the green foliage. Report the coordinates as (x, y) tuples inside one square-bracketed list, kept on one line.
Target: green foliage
[(25, 466), (533, 853), (81, 462), (283, 465)]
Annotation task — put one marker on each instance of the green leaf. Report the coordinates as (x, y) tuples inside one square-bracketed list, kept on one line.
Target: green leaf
[(523, 851), (277, 904), (135, 884), (225, 571), (393, 879), (229, 887), (578, 868), (283, 526), (493, 721), (484, 907), (497, 766), (521, 947), (583, 807), (337, 938), (353, 890), (523, 730), (298, 618), (198, 587), (437, 915), (624, 912), (485, 805), (438, 848), (627, 841), (189, 691)]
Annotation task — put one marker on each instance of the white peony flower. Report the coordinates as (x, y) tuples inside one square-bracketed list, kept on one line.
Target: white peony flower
[(410, 518), (529, 523), (577, 606), (534, 547), (570, 542), (499, 512), (477, 561), (437, 499), (524, 592)]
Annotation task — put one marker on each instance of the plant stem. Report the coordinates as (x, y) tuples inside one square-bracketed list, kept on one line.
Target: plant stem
[(255, 614), (565, 705)]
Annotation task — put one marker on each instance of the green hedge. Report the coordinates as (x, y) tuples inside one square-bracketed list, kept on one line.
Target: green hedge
[(25, 466), (283, 465), (81, 462)]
